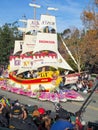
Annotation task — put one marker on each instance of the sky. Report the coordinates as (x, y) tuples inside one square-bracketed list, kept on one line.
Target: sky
[(67, 15)]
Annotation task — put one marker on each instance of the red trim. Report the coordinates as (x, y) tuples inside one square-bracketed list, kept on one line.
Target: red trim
[(73, 75), (30, 81)]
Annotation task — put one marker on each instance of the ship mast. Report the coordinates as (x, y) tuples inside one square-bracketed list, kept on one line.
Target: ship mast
[(34, 6), (25, 24)]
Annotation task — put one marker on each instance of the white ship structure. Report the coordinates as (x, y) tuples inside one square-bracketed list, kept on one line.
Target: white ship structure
[(36, 61)]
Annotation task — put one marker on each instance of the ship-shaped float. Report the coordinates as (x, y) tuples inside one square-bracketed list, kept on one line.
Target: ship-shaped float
[(36, 62)]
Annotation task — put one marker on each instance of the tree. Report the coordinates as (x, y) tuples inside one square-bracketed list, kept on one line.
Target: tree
[(76, 47), (83, 44), (90, 21), (8, 34)]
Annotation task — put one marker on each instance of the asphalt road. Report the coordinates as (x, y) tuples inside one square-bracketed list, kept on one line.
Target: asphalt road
[(91, 113)]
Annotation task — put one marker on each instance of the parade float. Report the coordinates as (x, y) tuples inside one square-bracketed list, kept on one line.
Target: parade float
[(35, 65)]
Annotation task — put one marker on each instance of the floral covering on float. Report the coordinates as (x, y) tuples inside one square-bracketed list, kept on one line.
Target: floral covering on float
[(43, 95)]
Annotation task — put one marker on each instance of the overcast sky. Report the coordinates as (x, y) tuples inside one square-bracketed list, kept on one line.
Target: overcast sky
[(68, 14)]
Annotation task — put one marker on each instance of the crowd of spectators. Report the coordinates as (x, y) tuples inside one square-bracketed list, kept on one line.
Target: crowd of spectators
[(17, 116), (84, 83)]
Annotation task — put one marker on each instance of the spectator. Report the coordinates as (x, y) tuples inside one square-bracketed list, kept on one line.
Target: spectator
[(19, 121), (3, 119), (90, 84), (35, 112), (79, 85), (78, 123), (62, 123), (37, 115), (4, 110), (45, 123), (28, 119), (16, 115), (85, 86), (41, 111)]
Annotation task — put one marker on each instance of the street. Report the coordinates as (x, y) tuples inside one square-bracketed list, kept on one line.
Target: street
[(91, 113)]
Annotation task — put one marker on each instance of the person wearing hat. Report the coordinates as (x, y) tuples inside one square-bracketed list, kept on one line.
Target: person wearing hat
[(41, 111), (19, 119), (16, 112), (16, 115), (37, 115), (62, 123)]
